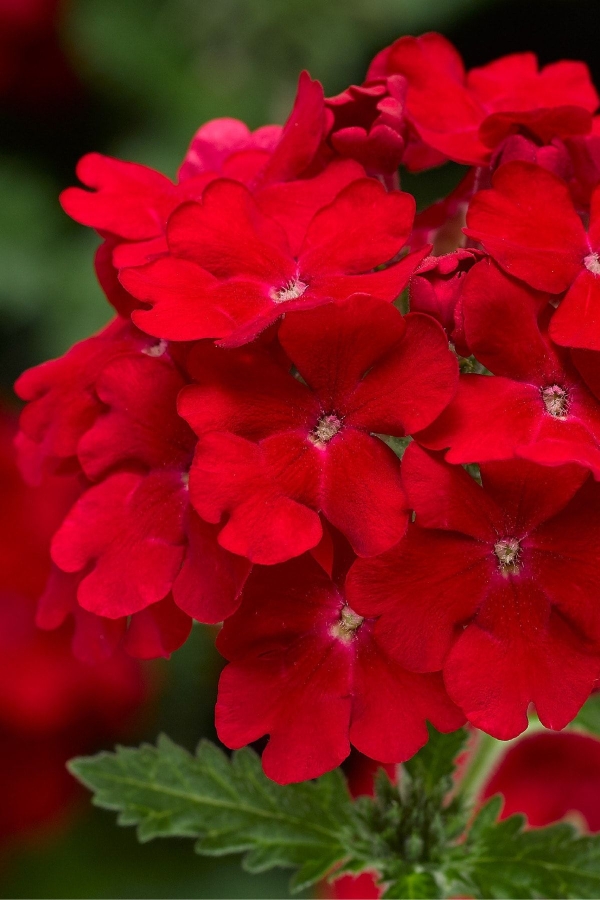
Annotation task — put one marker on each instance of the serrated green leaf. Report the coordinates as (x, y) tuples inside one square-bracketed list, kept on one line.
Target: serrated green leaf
[(434, 764), (410, 833), (311, 872), (229, 805), (501, 859), (415, 886)]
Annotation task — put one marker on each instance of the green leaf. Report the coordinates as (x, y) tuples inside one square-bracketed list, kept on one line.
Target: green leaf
[(434, 764), (229, 805), (501, 859), (415, 833), (407, 828), (416, 886)]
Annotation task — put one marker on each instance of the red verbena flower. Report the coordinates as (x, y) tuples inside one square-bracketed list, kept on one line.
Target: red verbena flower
[(139, 518), (543, 403), (250, 403), (274, 452), (309, 672), (130, 203), (62, 402), (497, 585), (108, 410), (527, 222), (465, 116), (234, 269)]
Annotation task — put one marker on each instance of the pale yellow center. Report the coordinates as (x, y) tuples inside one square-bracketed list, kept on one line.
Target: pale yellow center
[(508, 552), (347, 626), (326, 428), (290, 291), (556, 401), (592, 263)]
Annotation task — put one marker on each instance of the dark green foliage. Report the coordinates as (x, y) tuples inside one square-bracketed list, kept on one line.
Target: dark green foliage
[(415, 834)]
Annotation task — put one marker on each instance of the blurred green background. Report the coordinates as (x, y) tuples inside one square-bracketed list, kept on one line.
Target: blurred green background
[(135, 79)]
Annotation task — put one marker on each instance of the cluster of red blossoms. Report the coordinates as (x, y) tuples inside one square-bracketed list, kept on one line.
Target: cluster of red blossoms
[(52, 706), (237, 429)]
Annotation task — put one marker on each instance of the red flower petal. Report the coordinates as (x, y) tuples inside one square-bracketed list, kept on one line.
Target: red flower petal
[(128, 523), (502, 326), (488, 419), (139, 421), (570, 542), (380, 726), (301, 136), (130, 200), (231, 475), (211, 579), (333, 346), (424, 589), (405, 390), (362, 492), (548, 776), (294, 203), (447, 497), (530, 655), (62, 400), (180, 296), (364, 227), (157, 631), (527, 222), (244, 391), (576, 322), (529, 494), (229, 236)]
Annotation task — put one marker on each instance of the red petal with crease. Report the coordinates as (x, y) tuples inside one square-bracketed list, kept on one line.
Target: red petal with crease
[(180, 295), (363, 228), (128, 523), (333, 346), (231, 475), (157, 631), (211, 579), (446, 497), (244, 391), (530, 655), (410, 386), (362, 492), (576, 322), (528, 224), (423, 589), (228, 235)]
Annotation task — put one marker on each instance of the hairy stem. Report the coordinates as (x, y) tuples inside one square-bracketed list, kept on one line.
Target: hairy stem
[(484, 760)]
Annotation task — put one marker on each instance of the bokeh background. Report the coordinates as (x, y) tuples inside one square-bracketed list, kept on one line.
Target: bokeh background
[(135, 79)]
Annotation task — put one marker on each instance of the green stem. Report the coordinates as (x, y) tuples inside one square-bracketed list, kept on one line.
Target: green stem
[(485, 758)]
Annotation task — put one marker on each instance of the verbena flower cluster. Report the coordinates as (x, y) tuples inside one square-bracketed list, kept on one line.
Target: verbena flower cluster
[(52, 705), (237, 428)]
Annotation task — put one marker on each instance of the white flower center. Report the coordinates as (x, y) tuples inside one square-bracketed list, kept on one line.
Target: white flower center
[(556, 401), (290, 291), (156, 349), (326, 428), (592, 263), (347, 626), (508, 552)]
